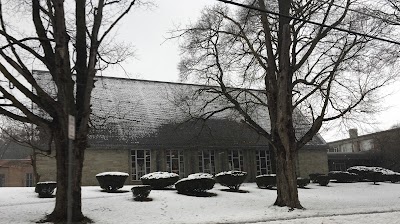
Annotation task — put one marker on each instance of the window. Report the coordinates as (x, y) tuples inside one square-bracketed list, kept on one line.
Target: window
[(2, 180), (207, 161), (140, 163), (263, 161), (339, 167), (29, 180), (175, 162), (235, 159)]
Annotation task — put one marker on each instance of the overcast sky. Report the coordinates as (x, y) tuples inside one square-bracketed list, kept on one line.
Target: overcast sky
[(156, 59)]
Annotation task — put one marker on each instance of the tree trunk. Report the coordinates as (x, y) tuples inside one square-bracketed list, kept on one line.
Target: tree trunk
[(287, 194), (60, 212)]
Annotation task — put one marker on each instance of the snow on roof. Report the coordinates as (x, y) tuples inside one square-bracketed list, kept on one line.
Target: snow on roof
[(128, 111)]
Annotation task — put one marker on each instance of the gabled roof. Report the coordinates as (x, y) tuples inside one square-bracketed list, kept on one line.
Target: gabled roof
[(12, 150), (140, 112)]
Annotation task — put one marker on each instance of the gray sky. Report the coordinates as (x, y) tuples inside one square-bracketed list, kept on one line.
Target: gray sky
[(156, 59)]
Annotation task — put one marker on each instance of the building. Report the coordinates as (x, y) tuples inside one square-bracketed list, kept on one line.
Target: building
[(15, 165), (375, 149), (145, 126)]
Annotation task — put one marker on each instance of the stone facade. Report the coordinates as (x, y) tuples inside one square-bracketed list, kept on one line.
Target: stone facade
[(16, 173), (103, 160), (312, 161)]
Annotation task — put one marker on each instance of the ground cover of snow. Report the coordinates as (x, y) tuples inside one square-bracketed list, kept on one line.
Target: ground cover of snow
[(338, 203)]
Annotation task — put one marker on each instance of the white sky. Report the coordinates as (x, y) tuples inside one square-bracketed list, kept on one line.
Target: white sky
[(157, 59)]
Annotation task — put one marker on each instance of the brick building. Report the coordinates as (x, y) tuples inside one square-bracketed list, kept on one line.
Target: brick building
[(144, 126)]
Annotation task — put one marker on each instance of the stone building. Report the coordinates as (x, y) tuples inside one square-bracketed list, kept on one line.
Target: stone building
[(143, 126), (375, 149), (15, 165)]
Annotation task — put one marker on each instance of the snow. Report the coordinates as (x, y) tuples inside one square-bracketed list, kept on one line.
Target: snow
[(360, 202), (372, 169), (200, 175), (47, 182), (112, 174), (232, 172), (159, 175)]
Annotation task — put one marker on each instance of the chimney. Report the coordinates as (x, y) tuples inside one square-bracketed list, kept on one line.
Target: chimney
[(353, 133)]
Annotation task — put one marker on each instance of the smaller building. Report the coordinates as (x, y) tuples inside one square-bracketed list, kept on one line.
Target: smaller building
[(15, 165), (375, 149)]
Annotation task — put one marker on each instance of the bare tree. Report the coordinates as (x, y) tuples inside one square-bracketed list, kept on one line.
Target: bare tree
[(68, 41), (307, 73)]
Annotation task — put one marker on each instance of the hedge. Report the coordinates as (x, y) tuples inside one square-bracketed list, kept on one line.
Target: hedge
[(232, 179), (111, 181), (159, 180)]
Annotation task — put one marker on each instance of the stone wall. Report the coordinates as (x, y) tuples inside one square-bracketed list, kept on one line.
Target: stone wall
[(104, 160), (96, 161), (312, 161)]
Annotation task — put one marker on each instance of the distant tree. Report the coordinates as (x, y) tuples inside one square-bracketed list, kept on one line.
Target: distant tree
[(304, 71), (69, 40)]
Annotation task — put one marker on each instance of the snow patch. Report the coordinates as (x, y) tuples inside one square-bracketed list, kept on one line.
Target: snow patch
[(159, 175), (112, 174)]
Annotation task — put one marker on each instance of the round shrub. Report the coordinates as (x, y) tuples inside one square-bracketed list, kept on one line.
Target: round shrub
[(266, 181), (111, 181), (323, 180), (141, 192), (313, 177), (231, 179), (302, 182), (45, 189), (159, 180), (196, 183), (343, 177)]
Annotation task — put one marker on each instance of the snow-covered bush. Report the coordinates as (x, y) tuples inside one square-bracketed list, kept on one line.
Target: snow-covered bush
[(313, 177), (195, 183), (266, 181), (45, 189), (232, 179), (323, 180), (343, 177), (374, 174), (302, 182), (393, 177), (140, 192), (111, 181), (159, 180)]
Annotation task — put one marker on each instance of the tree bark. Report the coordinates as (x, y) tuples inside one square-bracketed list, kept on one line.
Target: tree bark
[(59, 213), (287, 194)]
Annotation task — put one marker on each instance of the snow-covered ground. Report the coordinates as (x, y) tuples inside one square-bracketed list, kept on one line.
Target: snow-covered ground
[(339, 203)]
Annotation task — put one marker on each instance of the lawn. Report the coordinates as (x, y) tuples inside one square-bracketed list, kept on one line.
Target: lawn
[(338, 203)]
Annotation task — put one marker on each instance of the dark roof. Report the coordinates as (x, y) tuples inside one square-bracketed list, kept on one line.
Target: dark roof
[(140, 112), (12, 150)]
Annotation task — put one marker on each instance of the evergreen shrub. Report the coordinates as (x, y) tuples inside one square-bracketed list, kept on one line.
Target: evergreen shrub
[(343, 177), (140, 192), (111, 181), (313, 177), (323, 180), (159, 180), (266, 181), (194, 184), (45, 189), (232, 179), (302, 182)]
